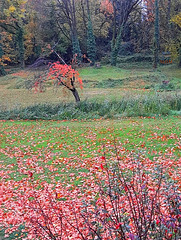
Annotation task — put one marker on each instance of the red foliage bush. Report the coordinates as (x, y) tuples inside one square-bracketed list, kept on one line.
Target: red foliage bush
[(125, 198)]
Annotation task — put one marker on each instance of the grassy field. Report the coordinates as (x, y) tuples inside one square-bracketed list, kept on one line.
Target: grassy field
[(49, 144), (106, 83), (65, 152)]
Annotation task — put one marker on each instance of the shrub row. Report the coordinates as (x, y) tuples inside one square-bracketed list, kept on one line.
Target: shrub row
[(167, 104)]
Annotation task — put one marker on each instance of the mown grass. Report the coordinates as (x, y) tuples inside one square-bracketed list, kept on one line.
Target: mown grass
[(47, 142), (48, 145)]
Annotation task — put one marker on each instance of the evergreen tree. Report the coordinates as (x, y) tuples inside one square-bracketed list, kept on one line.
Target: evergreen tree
[(91, 44), (76, 47), (115, 46), (156, 35), (179, 56), (121, 11), (20, 41), (2, 71)]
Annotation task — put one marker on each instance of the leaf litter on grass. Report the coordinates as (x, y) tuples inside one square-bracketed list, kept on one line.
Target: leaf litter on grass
[(56, 154)]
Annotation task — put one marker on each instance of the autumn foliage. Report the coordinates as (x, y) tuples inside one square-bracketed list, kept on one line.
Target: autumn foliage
[(62, 180), (125, 197), (62, 74), (149, 7), (106, 6), (65, 75)]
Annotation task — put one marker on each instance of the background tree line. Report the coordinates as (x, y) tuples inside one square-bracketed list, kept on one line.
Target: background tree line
[(87, 29)]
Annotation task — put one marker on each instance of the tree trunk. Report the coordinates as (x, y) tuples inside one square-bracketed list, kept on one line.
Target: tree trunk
[(76, 95), (168, 13), (75, 40), (113, 42), (156, 37), (2, 71), (115, 46), (20, 38), (91, 43), (179, 57)]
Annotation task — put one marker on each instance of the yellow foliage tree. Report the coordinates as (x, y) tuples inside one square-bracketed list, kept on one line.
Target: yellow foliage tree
[(177, 19), (175, 47), (11, 21)]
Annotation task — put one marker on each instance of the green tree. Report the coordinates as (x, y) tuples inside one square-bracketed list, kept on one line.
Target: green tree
[(156, 35), (177, 42), (121, 13), (66, 13), (2, 71), (91, 43), (12, 21), (20, 41)]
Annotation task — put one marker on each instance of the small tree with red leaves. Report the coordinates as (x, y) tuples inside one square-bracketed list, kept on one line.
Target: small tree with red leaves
[(61, 74), (68, 77)]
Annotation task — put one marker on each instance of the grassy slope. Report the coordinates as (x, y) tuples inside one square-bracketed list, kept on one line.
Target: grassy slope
[(108, 72), (104, 83)]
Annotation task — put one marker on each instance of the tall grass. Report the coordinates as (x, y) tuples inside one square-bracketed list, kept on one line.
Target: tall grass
[(128, 106)]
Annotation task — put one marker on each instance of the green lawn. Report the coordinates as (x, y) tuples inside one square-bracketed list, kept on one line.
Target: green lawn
[(49, 142), (65, 150), (108, 72)]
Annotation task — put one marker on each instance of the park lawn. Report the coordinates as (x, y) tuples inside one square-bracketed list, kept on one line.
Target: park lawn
[(45, 147)]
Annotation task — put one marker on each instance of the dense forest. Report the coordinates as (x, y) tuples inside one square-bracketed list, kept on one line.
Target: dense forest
[(90, 30)]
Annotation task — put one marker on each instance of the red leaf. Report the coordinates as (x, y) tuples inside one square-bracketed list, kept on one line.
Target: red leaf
[(102, 166), (118, 225), (125, 188), (30, 174)]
